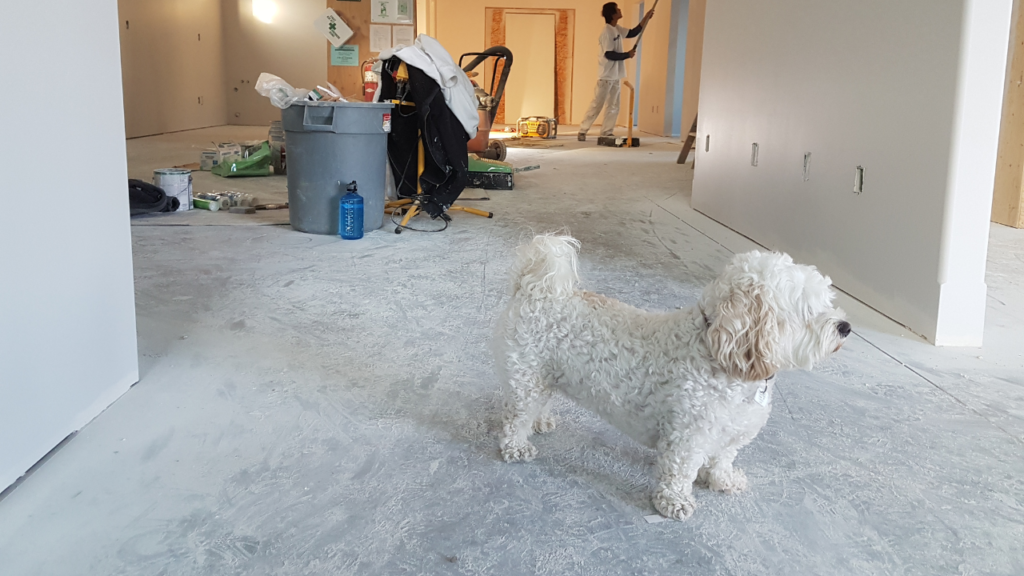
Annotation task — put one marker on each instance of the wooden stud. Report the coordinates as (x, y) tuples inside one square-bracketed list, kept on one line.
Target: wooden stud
[(691, 137), (1008, 195)]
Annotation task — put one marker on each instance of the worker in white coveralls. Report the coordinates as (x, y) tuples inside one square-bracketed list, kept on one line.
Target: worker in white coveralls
[(611, 70)]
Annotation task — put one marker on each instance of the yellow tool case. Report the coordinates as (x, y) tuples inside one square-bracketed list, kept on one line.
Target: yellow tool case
[(537, 127)]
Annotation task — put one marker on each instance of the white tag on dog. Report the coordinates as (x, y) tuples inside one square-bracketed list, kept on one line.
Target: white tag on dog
[(764, 393)]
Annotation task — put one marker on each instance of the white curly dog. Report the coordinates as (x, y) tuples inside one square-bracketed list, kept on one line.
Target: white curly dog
[(694, 384)]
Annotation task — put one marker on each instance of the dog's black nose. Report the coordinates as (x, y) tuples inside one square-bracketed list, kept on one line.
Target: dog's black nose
[(844, 328)]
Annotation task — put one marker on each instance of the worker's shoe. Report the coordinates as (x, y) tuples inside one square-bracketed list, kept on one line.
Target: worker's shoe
[(582, 136)]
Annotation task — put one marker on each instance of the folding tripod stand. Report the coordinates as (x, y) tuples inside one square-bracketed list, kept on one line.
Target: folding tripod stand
[(413, 206)]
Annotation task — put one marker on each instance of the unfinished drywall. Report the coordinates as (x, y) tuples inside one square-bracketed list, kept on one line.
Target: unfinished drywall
[(67, 307), (287, 46), (908, 91), (172, 65)]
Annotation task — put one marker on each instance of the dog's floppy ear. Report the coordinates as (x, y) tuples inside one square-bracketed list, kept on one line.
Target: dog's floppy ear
[(744, 333)]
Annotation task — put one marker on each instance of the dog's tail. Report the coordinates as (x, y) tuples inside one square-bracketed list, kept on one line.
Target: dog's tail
[(546, 267)]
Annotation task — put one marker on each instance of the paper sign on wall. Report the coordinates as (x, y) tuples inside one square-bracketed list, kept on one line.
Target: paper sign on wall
[(333, 27), (403, 12), (384, 11), (380, 37), (347, 55), (404, 36)]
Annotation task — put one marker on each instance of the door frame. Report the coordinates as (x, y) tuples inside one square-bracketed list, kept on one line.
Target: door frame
[(565, 24)]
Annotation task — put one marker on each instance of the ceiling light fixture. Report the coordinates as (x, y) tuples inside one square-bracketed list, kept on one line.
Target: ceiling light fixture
[(264, 10)]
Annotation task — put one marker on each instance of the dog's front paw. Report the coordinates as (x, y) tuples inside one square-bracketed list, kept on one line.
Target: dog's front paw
[(675, 505), (517, 452), (544, 424), (729, 482)]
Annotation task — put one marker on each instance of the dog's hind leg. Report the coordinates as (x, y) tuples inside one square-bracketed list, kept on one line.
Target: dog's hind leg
[(678, 463), (720, 475), (525, 399)]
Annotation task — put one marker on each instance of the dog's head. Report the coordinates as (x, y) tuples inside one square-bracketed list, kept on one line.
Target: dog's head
[(767, 314)]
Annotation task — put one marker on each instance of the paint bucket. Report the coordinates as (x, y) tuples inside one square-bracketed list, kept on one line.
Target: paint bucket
[(175, 182)]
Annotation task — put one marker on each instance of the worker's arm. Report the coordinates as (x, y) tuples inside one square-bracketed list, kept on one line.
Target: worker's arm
[(613, 55), (639, 27)]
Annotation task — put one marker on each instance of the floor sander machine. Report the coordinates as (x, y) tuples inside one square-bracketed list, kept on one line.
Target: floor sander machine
[(487, 166)]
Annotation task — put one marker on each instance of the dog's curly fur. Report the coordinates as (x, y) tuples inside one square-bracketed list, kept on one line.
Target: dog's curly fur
[(694, 384)]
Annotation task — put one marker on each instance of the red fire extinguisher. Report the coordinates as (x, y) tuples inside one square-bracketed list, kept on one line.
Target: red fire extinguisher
[(370, 81)]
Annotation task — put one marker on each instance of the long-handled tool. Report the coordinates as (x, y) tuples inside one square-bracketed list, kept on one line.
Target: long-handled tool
[(630, 141), (644, 29)]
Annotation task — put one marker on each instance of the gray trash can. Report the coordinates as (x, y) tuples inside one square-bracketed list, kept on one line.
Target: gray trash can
[(331, 143)]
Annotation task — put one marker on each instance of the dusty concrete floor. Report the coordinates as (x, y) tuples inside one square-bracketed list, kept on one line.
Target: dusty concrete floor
[(315, 406)]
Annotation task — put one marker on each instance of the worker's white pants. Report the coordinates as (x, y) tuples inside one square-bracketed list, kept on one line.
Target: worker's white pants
[(607, 91)]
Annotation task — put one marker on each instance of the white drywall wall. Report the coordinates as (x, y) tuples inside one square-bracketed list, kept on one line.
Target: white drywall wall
[(172, 62), (911, 92), (288, 47), (67, 308)]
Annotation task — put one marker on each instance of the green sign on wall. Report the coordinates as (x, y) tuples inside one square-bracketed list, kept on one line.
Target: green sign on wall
[(345, 55)]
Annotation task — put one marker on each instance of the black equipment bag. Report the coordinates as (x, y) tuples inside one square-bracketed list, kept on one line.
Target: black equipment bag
[(145, 198)]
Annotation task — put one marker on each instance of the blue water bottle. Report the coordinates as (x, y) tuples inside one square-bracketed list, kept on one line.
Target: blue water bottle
[(350, 214)]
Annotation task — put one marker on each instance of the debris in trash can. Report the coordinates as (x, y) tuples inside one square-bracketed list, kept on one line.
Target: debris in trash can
[(321, 94), (281, 93)]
